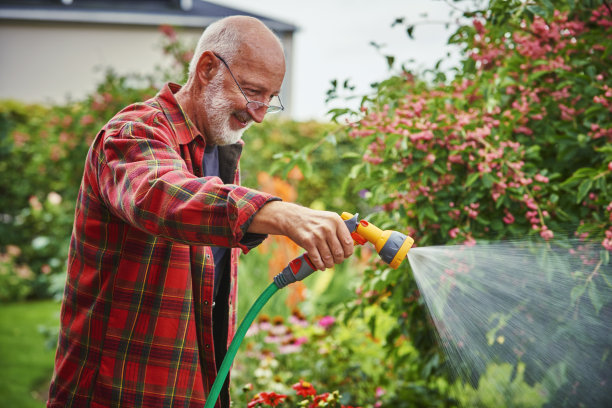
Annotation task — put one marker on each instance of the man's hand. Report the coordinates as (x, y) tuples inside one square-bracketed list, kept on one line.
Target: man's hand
[(322, 234)]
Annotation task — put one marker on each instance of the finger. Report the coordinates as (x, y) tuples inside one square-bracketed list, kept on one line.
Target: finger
[(337, 250), (346, 240), (316, 260), (326, 255)]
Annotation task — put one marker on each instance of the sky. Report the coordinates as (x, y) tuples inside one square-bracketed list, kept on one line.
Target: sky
[(333, 42)]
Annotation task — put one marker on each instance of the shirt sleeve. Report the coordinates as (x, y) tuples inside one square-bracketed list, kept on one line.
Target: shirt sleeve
[(145, 181)]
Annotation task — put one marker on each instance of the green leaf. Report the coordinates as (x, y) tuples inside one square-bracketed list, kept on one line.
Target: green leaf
[(471, 179), (410, 31), (554, 198), (583, 189), (594, 296), (537, 10), (576, 292), (550, 8), (351, 155), (355, 170), (487, 180), (399, 20), (390, 60)]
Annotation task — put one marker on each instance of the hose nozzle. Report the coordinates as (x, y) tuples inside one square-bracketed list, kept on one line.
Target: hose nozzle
[(392, 246)]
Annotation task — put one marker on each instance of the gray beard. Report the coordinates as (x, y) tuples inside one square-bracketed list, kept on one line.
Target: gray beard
[(218, 109)]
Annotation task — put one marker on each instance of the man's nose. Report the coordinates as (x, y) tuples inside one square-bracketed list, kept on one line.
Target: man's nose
[(258, 113)]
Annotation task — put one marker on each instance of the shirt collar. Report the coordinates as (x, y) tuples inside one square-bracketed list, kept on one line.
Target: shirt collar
[(184, 128)]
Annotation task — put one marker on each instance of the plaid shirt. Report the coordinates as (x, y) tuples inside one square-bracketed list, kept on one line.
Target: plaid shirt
[(137, 314)]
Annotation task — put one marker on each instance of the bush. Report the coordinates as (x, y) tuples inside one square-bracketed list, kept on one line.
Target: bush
[(515, 146)]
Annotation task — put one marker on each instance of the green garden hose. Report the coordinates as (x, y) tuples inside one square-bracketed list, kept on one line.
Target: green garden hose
[(297, 269), (235, 344)]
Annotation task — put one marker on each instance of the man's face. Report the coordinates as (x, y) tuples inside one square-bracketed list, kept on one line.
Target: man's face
[(225, 105), (226, 123)]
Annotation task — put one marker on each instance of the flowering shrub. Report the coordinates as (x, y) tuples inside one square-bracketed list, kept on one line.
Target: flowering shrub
[(516, 145)]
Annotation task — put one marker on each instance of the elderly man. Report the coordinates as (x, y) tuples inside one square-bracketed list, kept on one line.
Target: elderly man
[(150, 299)]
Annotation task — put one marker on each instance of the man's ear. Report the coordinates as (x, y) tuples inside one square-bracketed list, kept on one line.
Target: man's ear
[(207, 67)]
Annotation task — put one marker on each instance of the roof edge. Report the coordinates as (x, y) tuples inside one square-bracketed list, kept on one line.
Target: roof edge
[(127, 18)]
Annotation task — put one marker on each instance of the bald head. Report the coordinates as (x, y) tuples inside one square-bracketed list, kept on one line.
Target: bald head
[(239, 35)]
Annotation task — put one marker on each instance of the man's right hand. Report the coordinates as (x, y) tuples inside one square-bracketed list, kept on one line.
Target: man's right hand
[(322, 234)]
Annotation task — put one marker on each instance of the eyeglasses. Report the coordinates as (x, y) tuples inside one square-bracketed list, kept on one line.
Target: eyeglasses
[(275, 103)]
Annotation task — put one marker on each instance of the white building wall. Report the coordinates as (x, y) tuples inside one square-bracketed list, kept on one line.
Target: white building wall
[(54, 63)]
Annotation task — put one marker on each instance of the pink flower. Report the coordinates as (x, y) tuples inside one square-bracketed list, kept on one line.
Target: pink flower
[(168, 31), (87, 120), (546, 233), (469, 241), (478, 26), (509, 218), (327, 321), (607, 244), (453, 233)]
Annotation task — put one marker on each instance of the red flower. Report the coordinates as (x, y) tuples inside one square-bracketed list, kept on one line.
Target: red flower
[(168, 31), (270, 399), (304, 389), (319, 398)]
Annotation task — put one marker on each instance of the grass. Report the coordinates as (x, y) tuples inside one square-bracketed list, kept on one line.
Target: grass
[(27, 361)]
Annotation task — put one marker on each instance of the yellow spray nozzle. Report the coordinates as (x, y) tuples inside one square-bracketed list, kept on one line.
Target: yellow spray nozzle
[(392, 246)]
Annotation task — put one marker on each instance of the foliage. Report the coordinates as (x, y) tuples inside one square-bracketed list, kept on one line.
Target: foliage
[(516, 145), (499, 386), (329, 355), (309, 155)]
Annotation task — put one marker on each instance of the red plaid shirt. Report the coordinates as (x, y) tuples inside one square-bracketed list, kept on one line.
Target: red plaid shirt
[(137, 315)]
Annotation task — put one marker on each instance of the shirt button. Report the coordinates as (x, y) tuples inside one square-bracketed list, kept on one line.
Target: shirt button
[(206, 302), (207, 346)]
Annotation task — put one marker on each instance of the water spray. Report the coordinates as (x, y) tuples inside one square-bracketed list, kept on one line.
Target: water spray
[(391, 246)]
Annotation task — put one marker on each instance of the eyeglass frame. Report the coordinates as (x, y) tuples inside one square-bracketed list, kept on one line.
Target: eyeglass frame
[(258, 105)]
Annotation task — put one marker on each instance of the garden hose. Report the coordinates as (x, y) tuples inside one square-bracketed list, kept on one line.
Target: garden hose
[(235, 344), (392, 247)]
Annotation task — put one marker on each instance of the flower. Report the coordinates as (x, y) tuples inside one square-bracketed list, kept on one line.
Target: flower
[(546, 233), (270, 399), (327, 321), (453, 233), (304, 389), (168, 31), (54, 198), (87, 120)]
